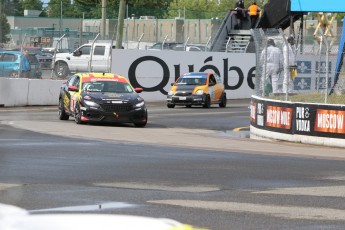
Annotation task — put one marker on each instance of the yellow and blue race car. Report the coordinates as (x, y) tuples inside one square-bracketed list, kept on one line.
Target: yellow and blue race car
[(101, 97), (197, 89)]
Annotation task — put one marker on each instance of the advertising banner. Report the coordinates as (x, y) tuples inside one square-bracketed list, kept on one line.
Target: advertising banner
[(154, 71), (273, 116), (297, 118)]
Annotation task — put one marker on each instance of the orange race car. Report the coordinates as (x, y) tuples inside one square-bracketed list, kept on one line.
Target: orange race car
[(197, 89), (101, 97)]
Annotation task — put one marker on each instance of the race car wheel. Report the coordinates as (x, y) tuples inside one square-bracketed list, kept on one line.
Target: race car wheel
[(62, 114), (171, 106), (61, 70), (142, 123), (222, 103), (207, 103), (77, 115), (14, 74)]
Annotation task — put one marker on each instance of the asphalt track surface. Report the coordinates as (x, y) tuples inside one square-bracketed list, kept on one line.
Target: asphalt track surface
[(205, 177)]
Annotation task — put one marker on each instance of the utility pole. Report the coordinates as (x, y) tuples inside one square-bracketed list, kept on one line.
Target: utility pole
[(120, 22), (104, 16), (1, 22)]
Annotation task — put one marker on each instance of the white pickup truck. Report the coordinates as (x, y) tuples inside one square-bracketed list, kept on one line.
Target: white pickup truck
[(87, 58)]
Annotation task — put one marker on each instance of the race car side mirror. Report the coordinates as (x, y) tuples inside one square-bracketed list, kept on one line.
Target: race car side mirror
[(138, 90), (73, 88)]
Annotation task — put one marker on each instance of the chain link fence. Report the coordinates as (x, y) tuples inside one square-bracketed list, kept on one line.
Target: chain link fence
[(305, 74)]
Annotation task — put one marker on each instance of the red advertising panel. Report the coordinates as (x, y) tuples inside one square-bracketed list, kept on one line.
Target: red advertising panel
[(252, 111), (330, 121), (278, 117)]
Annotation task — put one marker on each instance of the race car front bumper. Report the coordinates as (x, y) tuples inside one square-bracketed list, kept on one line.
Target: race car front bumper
[(120, 116), (187, 100)]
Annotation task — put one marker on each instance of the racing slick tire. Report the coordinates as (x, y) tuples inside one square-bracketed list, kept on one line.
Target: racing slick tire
[(77, 115), (207, 103), (62, 114), (171, 106), (223, 101), (141, 123), (61, 70)]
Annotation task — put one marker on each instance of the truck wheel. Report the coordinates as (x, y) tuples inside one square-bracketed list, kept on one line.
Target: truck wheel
[(14, 74), (61, 70)]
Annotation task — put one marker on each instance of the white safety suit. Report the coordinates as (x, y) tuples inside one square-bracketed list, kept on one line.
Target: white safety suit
[(289, 52), (272, 63)]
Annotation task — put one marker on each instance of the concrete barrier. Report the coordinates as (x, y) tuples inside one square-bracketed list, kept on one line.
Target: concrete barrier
[(309, 123), (27, 92)]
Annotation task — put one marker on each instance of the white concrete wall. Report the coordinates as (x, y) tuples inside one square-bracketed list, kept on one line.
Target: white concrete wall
[(153, 70), (24, 92)]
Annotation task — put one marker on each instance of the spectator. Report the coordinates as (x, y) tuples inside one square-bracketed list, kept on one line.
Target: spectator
[(25, 65), (254, 14), (272, 60), (240, 4), (289, 51), (240, 13)]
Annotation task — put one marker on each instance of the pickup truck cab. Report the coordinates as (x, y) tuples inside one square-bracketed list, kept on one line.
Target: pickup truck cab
[(86, 58)]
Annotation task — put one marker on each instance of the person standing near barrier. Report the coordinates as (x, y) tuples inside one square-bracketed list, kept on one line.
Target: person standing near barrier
[(272, 60), (289, 51), (240, 13), (254, 14), (25, 65)]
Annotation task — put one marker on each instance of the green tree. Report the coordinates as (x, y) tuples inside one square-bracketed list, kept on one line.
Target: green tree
[(194, 9), (93, 9), (13, 8), (56, 8), (31, 4), (4, 29)]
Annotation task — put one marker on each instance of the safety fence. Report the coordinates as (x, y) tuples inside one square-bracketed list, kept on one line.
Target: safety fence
[(304, 73)]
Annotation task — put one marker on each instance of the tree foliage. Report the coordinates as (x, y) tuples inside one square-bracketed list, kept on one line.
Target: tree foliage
[(13, 8), (198, 9), (31, 4), (4, 29), (56, 8)]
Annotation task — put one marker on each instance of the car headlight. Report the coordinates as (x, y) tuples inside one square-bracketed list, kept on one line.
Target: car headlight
[(140, 104), (171, 93), (91, 103), (199, 92)]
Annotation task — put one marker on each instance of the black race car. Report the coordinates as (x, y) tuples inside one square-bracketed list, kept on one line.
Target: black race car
[(101, 97)]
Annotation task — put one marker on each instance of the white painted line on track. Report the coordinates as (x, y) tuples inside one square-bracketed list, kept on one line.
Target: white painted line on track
[(286, 212), (4, 186), (162, 187), (87, 208), (329, 191)]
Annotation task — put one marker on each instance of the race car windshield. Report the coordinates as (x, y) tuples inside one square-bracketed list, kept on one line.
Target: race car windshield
[(191, 81), (111, 86)]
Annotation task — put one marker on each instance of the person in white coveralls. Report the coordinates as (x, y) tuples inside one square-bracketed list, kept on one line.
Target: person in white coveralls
[(289, 51), (272, 60)]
